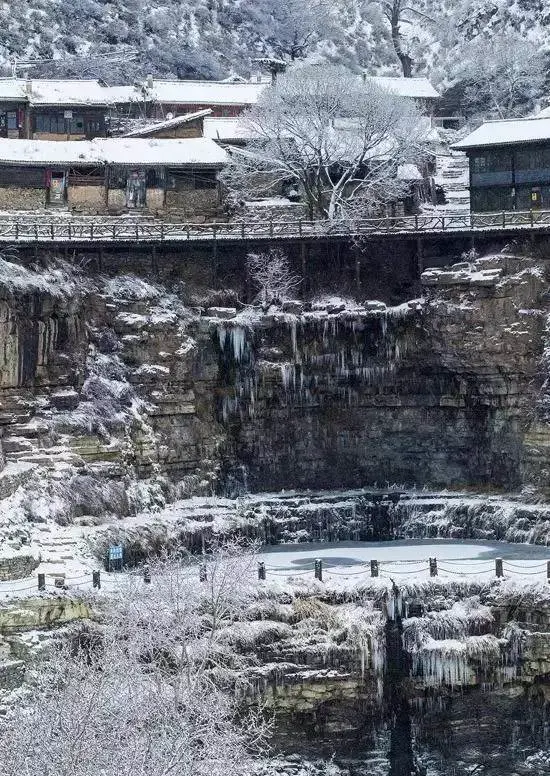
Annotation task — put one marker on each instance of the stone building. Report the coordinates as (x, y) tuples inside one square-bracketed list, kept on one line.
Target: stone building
[(509, 164), (112, 175)]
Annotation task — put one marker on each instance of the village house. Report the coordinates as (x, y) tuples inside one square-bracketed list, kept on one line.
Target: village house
[(113, 175), (424, 96), (509, 164), (53, 109), (223, 98), (188, 125)]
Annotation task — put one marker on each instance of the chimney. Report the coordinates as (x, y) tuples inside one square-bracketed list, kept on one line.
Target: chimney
[(150, 81)]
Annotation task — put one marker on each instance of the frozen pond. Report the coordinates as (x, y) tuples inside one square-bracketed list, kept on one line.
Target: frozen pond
[(412, 555)]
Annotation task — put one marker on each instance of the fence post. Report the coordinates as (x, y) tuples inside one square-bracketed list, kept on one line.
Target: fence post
[(96, 579), (374, 568), (531, 217), (147, 574), (41, 581), (300, 227), (499, 571), (319, 569), (202, 572), (261, 570), (548, 571), (503, 219), (433, 567)]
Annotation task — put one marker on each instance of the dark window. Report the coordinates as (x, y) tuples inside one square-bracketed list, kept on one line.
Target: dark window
[(491, 199), (117, 177), (11, 116), (155, 178), (492, 161)]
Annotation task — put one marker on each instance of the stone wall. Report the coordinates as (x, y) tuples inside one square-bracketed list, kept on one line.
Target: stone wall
[(193, 202), (155, 199), (91, 199), (15, 198), (17, 567)]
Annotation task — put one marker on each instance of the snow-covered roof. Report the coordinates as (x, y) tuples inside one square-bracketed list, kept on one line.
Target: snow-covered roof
[(507, 132), (176, 121), (227, 129), (409, 172), (205, 92), (416, 88), (191, 152), (12, 89), (73, 92)]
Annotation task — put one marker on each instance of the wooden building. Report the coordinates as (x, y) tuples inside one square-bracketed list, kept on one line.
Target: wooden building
[(178, 97), (509, 165), (419, 90), (112, 175), (188, 125)]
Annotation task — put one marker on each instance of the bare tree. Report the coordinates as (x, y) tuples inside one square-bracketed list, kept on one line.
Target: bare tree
[(505, 74), (294, 25), (337, 139), (272, 277), (143, 699), (399, 12)]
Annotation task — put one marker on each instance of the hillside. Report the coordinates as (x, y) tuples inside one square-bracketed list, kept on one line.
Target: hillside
[(215, 38)]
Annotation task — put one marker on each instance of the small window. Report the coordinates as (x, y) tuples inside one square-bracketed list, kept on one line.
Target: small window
[(12, 119)]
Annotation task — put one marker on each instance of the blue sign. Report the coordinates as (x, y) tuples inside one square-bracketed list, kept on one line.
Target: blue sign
[(115, 552)]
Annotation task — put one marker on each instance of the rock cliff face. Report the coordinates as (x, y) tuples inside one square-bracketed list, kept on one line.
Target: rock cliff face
[(118, 394)]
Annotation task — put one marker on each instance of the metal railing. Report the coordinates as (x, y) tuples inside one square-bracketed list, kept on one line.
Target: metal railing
[(76, 229)]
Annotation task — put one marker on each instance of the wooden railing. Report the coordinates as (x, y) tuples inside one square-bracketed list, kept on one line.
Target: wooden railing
[(44, 228)]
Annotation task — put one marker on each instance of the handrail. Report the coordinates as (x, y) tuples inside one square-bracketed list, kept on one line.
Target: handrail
[(33, 228)]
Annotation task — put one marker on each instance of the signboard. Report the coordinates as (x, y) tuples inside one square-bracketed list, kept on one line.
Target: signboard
[(68, 114), (114, 557)]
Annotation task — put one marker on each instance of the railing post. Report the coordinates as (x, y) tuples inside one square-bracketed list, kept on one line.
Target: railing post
[(433, 567), (300, 227), (162, 230), (271, 226), (96, 580), (319, 569), (261, 570), (416, 223), (70, 231), (137, 231), (499, 570), (92, 231), (35, 231), (187, 231), (531, 217), (52, 231), (242, 231), (442, 223), (503, 219), (17, 230), (374, 568), (147, 574), (41, 581), (548, 571)]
